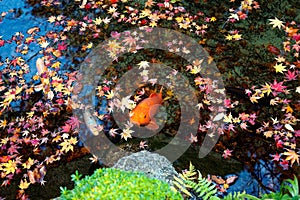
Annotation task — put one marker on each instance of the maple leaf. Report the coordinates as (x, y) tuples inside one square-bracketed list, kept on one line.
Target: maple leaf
[(24, 184), (110, 94), (266, 89), (193, 138), (227, 153), (9, 167), (94, 159), (279, 68), (73, 140), (276, 23), (149, 3), (291, 75), (227, 118), (278, 87), (143, 64), (276, 157), (28, 163), (74, 122), (254, 99), (292, 156), (298, 89), (129, 41), (66, 128), (228, 37), (44, 44), (268, 134), (237, 36), (195, 69), (66, 146), (126, 133), (51, 19), (56, 65)]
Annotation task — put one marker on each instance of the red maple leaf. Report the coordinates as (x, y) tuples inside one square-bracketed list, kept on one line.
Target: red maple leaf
[(62, 46), (2, 42), (14, 62), (291, 75), (66, 128), (74, 122), (278, 87)]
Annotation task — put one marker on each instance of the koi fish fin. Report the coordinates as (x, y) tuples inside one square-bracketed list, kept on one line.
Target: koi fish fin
[(40, 66), (153, 95), (161, 89), (152, 125), (153, 110)]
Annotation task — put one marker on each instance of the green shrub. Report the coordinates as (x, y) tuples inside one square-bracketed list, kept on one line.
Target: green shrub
[(110, 184)]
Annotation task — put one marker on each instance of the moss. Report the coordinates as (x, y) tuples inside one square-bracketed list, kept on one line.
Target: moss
[(108, 183)]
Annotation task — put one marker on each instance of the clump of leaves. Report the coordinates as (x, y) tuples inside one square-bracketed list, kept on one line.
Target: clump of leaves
[(203, 187), (109, 183)]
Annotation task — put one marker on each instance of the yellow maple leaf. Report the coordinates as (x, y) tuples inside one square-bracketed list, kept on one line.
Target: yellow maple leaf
[(66, 146), (228, 37), (56, 65), (24, 184), (126, 133), (292, 156), (51, 19), (44, 44), (228, 118), (98, 21), (266, 89), (110, 94), (237, 36), (279, 68), (28, 163), (195, 69), (8, 167), (212, 19), (288, 109), (268, 134), (3, 123), (59, 87), (73, 140), (145, 13), (276, 23), (30, 114)]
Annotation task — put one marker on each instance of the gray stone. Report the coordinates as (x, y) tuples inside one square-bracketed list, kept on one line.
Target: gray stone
[(152, 164)]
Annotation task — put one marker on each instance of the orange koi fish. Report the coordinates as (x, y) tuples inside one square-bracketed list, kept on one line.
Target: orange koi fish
[(143, 113)]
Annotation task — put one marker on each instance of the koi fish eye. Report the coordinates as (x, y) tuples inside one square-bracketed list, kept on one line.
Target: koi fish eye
[(145, 116)]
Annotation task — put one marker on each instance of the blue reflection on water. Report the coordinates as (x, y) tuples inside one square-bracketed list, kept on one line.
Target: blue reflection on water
[(262, 180), (20, 20)]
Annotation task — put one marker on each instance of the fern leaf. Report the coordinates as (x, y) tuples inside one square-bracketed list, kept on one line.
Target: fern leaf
[(182, 189), (180, 181)]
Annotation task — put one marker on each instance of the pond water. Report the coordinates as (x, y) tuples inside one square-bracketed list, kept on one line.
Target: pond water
[(262, 178)]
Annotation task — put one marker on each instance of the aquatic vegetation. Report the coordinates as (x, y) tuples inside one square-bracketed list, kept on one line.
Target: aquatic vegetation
[(109, 183)]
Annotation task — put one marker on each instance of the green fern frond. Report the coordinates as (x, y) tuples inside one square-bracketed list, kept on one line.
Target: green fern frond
[(201, 186)]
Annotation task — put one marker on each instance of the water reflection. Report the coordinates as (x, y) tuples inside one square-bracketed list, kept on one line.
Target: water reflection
[(262, 179)]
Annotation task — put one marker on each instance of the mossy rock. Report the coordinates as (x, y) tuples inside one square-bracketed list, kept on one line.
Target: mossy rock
[(111, 184)]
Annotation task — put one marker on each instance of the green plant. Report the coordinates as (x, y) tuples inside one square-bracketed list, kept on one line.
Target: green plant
[(289, 190), (204, 188), (188, 183), (109, 183)]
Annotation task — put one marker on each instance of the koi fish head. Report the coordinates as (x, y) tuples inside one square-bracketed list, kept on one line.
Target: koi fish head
[(140, 116), (143, 113)]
